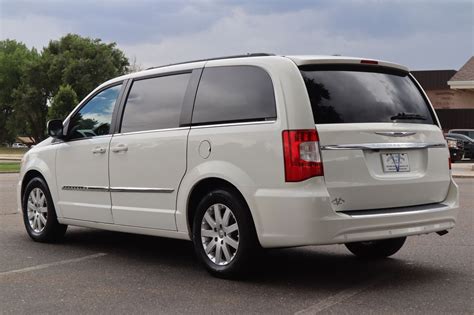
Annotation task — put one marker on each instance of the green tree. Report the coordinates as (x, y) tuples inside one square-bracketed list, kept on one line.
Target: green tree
[(83, 63), (63, 102), (30, 101), (65, 72), (15, 58)]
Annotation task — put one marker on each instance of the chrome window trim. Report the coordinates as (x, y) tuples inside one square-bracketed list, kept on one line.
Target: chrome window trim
[(384, 146), (267, 122), (149, 131), (118, 189)]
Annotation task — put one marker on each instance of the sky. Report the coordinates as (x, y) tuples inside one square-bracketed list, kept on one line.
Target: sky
[(421, 34)]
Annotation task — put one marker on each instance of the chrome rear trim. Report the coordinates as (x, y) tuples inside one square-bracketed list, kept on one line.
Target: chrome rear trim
[(384, 146), (395, 211), (395, 133)]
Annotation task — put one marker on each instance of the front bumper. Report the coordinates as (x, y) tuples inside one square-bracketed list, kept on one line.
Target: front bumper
[(308, 219)]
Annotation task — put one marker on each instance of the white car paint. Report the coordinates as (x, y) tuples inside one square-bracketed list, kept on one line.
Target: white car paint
[(250, 157)]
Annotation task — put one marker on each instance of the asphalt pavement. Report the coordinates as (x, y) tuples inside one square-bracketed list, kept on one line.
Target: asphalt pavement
[(95, 271)]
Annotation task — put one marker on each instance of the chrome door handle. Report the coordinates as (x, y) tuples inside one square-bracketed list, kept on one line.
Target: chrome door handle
[(120, 148), (99, 150)]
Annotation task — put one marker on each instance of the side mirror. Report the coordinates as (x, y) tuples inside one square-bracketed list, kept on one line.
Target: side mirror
[(55, 128)]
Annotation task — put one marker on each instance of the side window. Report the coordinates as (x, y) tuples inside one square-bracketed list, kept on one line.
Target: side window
[(94, 118), (233, 94), (155, 103)]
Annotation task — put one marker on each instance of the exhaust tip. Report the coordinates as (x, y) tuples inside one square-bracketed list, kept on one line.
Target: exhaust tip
[(441, 233)]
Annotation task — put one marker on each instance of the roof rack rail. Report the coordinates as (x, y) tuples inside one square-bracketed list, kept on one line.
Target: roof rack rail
[(215, 58)]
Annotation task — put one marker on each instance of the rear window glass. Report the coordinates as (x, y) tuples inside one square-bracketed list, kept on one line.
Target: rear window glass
[(155, 103), (234, 94), (359, 94)]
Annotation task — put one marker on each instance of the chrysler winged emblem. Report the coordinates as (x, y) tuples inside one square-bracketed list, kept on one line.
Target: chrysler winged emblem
[(338, 201)]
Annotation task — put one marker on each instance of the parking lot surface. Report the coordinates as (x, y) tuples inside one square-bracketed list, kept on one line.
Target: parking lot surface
[(95, 271)]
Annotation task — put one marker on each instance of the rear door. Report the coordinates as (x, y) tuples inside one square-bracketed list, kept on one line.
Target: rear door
[(380, 142), (148, 155)]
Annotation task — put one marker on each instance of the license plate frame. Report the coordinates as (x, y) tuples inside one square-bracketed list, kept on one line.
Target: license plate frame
[(395, 162)]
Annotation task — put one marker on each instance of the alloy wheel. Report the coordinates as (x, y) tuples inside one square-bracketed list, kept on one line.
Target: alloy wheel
[(220, 234), (37, 210)]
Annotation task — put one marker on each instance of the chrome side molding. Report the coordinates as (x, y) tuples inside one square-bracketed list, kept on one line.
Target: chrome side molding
[(141, 190), (86, 188), (119, 189), (384, 146)]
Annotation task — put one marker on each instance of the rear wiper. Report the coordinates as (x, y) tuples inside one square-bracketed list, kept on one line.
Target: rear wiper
[(408, 116)]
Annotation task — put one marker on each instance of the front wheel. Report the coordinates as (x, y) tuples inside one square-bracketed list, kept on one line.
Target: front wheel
[(376, 249), (39, 215), (223, 234)]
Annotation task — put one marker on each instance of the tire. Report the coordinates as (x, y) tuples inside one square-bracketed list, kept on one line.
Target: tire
[(236, 254), (376, 249), (39, 215)]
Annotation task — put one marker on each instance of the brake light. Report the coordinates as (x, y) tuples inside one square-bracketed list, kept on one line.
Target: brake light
[(369, 62), (301, 154)]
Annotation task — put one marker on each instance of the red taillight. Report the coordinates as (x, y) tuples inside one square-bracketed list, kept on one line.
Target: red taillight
[(449, 162), (302, 156), (369, 62)]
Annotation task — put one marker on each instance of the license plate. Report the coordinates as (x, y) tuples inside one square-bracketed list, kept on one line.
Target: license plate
[(395, 162)]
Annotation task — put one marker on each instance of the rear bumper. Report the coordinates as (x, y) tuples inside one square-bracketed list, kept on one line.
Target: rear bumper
[(310, 220)]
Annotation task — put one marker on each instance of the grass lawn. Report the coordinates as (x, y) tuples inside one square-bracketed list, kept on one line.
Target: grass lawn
[(7, 151), (8, 167)]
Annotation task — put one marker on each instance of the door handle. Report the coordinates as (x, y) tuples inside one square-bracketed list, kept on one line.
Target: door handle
[(99, 150), (120, 148)]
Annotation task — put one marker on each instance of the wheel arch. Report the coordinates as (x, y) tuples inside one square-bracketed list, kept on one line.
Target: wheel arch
[(29, 175), (204, 186)]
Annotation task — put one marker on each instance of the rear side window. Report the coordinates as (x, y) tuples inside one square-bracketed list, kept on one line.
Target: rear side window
[(359, 94), (234, 94), (155, 103)]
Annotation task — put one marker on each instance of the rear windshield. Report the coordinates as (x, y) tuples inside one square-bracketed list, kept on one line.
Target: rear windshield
[(361, 94)]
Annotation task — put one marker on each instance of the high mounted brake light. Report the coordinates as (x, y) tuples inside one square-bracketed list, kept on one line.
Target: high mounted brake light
[(369, 62), (301, 154)]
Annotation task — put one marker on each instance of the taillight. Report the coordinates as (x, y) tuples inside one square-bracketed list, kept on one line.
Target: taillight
[(449, 162), (302, 156)]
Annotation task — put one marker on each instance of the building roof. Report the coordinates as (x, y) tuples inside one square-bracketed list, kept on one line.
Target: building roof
[(466, 73), (434, 79)]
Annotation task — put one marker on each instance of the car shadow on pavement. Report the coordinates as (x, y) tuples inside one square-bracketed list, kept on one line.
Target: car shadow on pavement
[(300, 268)]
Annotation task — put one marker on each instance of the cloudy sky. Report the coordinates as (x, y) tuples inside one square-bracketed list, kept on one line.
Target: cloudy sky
[(423, 34)]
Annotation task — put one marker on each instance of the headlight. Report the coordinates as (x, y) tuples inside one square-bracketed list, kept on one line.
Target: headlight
[(452, 143)]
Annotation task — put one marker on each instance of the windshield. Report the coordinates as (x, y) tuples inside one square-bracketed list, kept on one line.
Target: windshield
[(361, 94)]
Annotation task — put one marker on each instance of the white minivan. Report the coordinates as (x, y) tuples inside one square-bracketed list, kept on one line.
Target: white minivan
[(248, 152)]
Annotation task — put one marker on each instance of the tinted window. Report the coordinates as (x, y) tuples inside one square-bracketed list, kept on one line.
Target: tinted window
[(155, 103), (360, 95), (232, 94), (94, 118)]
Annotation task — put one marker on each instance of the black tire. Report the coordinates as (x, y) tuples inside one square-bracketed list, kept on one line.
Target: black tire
[(376, 249), (52, 231), (247, 238)]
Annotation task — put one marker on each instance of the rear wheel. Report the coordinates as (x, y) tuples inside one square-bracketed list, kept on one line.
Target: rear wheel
[(223, 234), (39, 215), (376, 249)]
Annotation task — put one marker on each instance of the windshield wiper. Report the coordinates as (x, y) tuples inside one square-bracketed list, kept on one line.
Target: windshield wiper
[(408, 116)]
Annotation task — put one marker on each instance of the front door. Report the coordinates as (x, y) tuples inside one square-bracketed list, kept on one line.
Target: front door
[(148, 156), (82, 160)]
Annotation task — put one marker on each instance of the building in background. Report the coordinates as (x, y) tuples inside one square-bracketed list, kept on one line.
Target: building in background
[(452, 94)]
